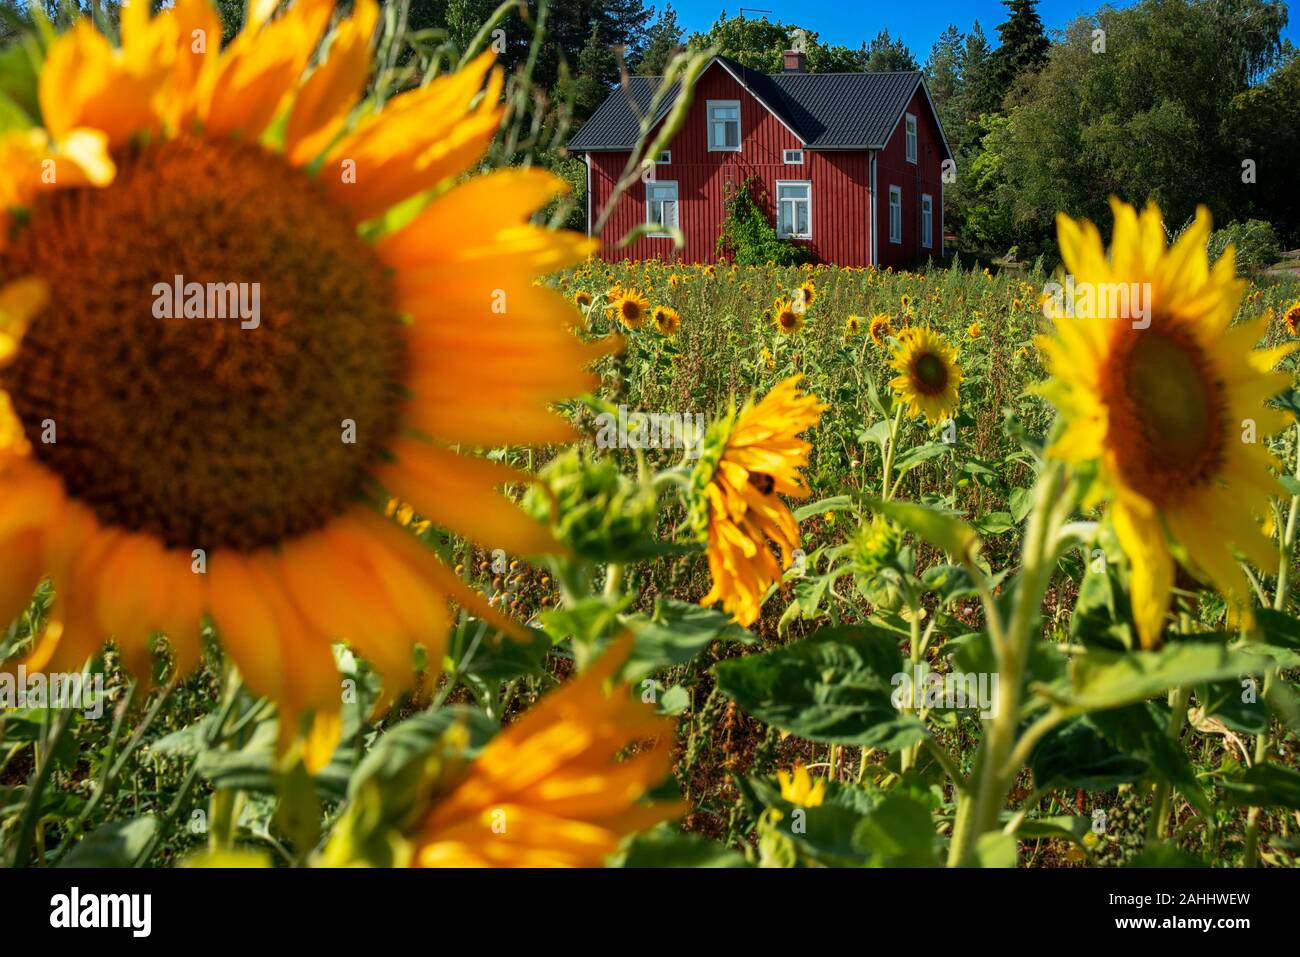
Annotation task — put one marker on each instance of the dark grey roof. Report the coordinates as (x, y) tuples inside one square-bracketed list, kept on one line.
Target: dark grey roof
[(825, 110)]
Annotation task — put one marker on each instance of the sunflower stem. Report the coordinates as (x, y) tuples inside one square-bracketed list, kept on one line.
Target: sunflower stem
[(995, 767), (889, 452)]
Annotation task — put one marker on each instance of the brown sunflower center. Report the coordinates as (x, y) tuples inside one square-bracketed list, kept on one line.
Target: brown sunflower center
[(220, 362), (631, 311), (930, 373), (1167, 412)]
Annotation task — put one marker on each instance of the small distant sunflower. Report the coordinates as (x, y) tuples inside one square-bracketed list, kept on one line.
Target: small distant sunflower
[(786, 318), (799, 788), (208, 468), (805, 295), (853, 325), (973, 330), (881, 327), (550, 790), (929, 376), (905, 303), (666, 320), (749, 459), (1161, 408), (1292, 318), (583, 299), (710, 270), (629, 307)]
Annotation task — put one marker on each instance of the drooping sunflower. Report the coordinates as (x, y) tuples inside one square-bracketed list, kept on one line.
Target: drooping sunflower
[(666, 320), (747, 461), (1170, 405), (929, 377), (1292, 318), (798, 787), (550, 790), (786, 318), (236, 463), (805, 295), (852, 325), (881, 327), (629, 307), (582, 299)]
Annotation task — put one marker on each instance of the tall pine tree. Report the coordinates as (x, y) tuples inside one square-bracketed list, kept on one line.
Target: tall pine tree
[(1023, 47)]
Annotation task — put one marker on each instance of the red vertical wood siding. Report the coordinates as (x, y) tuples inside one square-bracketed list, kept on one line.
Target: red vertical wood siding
[(841, 184), (923, 176)]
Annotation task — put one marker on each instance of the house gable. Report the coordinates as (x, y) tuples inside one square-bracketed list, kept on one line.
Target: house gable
[(840, 124)]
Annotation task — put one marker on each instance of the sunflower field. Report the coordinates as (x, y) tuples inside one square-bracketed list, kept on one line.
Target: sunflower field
[(451, 545)]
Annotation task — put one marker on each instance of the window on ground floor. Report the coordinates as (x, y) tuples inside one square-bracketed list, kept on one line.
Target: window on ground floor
[(927, 220), (794, 210), (895, 214), (661, 204)]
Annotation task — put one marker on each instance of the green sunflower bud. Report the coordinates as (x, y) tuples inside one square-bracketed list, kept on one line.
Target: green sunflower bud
[(592, 507)]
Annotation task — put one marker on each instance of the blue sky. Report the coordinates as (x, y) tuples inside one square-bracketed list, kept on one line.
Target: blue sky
[(918, 22)]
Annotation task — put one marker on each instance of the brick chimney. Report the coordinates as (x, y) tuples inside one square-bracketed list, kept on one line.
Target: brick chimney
[(794, 61)]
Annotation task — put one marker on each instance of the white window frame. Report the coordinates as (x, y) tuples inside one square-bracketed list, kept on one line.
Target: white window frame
[(792, 157), (927, 220), (665, 158), (650, 201), (710, 105), (909, 131), (896, 235), (793, 218)]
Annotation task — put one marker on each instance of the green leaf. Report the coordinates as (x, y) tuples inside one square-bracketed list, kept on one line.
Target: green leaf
[(1077, 755), (996, 849), (1106, 679), (665, 846), (899, 832), (836, 503), (1265, 785), (833, 687), (497, 657), (1139, 730), (942, 529), (675, 633), (915, 457), (116, 844)]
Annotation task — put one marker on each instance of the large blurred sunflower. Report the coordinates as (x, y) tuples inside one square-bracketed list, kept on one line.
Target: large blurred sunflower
[(550, 790), (1173, 412), (748, 460), (175, 467), (929, 378)]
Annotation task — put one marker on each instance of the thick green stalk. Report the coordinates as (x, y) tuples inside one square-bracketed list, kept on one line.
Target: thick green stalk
[(993, 776)]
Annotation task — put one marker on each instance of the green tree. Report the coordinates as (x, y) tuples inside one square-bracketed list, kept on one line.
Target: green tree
[(885, 55), (597, 70), (1023, 45), (1157, 105), (759, 45), (663, 39), (944, 78)]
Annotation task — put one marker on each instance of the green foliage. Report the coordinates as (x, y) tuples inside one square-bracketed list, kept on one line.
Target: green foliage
[(760, 43), (1254, 240), (748, 236)]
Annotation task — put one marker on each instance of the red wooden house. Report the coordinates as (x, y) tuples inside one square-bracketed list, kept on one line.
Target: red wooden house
[(850, 163)]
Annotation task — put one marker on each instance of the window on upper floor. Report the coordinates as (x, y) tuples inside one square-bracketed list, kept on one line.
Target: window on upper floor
[(911, 138), (661, 205), (793, 157), (724, 124), (793, 210)]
